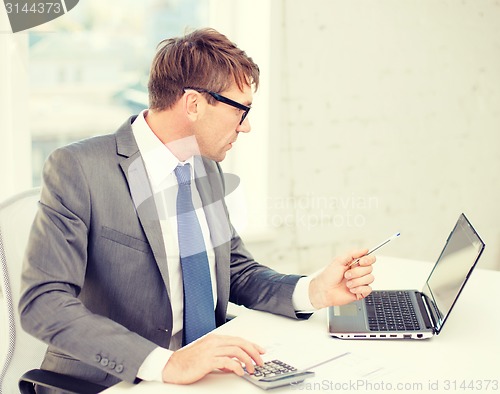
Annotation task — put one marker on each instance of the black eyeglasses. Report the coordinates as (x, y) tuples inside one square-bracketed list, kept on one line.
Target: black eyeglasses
[(225, 100)]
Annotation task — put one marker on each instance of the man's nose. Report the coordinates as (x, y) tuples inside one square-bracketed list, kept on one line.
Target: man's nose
[(245, 126)]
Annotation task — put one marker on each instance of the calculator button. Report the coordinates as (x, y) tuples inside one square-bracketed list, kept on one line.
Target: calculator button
[(271, 369)]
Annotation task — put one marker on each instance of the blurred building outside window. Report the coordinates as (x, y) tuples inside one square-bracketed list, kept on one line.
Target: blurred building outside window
[(85, 73), (88, 70)]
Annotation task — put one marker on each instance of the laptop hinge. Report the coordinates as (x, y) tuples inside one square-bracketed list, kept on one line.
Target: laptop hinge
[(435, 313), (425, 311)]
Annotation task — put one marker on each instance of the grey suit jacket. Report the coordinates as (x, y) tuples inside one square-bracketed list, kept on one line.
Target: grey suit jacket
[(95, 277)]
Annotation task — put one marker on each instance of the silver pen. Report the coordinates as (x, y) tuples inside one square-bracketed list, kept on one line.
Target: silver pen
[(375, 248)]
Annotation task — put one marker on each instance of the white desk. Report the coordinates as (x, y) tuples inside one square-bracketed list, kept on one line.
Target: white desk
[(465, 354)]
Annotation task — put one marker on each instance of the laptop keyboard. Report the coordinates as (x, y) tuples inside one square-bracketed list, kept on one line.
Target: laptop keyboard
[(391, 311)]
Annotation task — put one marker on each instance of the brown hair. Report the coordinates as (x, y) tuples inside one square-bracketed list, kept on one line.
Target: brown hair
[(204, 59)]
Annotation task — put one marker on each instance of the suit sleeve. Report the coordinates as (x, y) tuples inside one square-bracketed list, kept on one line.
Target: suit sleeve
[(54, 273), (259, 287)]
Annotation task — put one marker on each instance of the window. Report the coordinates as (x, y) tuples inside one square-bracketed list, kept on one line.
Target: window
[(83, 74), (88, 70)]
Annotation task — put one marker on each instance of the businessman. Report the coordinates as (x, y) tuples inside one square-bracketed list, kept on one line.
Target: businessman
[(132, 258)]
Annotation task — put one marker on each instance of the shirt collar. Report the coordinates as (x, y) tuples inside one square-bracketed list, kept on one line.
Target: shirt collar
[(160, 162)]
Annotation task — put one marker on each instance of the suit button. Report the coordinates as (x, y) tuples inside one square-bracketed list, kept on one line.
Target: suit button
[(119, 368), (104, 361), (111, 365), (97, 357)]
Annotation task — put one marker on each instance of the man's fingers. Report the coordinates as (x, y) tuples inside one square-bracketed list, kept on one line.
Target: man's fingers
[(253, 350), (353, 284), (239, 354), (357, 253), (362, 291), (358, 272), (367, 260), (227, 353), (228, 364), (239, 350), (358, 257)]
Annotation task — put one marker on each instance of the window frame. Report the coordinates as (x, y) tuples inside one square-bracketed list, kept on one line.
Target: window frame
[(15, 149), (249, 158)]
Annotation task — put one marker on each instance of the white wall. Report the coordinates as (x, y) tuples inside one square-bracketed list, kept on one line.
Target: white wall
[(385, 117)]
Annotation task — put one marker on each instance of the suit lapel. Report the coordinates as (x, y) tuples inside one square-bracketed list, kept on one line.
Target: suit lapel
[(140, 189)]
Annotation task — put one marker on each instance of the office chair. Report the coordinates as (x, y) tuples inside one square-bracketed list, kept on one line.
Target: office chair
[(19, 351)]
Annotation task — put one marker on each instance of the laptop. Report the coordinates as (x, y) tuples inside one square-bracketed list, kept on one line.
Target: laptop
[(412, 314)]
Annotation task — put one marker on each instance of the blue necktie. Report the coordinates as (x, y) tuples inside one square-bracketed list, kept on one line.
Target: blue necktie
[(199, 315)]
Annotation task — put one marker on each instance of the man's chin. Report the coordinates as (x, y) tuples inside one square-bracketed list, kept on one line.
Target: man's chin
[(220, 157)]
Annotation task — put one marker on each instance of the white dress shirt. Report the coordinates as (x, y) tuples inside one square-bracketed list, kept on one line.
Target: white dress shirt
[(160, 163)]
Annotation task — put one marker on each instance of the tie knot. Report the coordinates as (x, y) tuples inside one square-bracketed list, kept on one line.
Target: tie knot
[(183, 174)]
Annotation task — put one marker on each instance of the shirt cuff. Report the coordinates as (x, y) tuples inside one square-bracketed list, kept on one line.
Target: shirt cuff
[(300, 296), (152, 367)]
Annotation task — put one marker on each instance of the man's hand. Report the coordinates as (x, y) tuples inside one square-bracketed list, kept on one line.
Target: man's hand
[(339, 284), (227, 353)]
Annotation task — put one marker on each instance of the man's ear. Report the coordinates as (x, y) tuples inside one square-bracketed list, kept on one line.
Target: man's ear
[(192, 104)]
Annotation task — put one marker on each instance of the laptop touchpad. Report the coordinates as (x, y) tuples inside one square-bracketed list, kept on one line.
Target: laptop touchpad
[(346, 310)]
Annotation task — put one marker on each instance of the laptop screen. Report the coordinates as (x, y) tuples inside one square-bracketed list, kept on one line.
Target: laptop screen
[(455, 264)]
